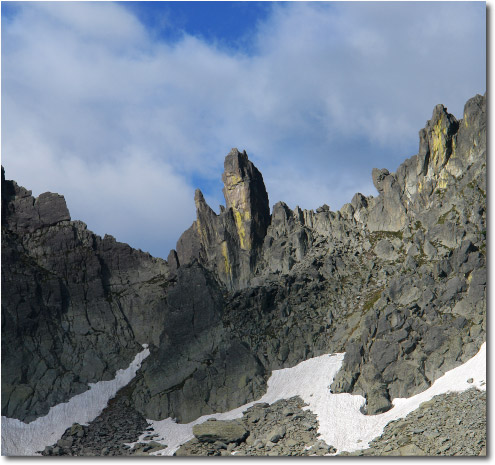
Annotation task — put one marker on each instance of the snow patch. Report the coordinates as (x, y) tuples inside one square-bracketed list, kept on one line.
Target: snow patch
[(342, 424), (20, 438)]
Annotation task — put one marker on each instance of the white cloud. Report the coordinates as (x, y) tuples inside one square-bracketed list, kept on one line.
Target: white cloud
[(96, 108)]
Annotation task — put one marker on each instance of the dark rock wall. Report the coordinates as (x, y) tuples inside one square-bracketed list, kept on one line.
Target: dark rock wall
[(198, 367), (75, 307)]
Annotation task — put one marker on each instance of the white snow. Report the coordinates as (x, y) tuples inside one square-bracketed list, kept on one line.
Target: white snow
[(20, 438), (341, 422)]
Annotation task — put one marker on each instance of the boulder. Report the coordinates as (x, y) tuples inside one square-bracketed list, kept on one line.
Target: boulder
[(385, 250), (222, 431)]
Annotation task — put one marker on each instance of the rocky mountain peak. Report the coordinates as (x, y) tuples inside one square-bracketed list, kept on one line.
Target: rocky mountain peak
[(198, 198), (436, 141), (27, 213), (447, 149), (396, 281), (229, 243), (245, 194)]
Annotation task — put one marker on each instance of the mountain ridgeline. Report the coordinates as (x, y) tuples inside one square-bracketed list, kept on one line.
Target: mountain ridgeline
[(397, 281)]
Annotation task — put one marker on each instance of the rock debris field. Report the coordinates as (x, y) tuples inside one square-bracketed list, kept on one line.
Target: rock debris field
[(448, 424)]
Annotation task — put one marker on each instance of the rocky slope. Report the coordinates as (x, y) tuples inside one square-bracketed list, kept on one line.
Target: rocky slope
[(397, 281), (448, 425), (282, 428)]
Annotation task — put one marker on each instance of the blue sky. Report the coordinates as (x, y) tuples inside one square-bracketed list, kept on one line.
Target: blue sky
[(228, 25), (125, 108)]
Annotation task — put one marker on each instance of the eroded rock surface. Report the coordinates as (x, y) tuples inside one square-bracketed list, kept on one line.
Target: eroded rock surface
[(230, 243)]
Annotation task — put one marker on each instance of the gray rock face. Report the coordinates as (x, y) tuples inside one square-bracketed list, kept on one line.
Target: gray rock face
[(197, 368), (385, 250), (397, 281), (245, 194), (428, 294), (75, 307)]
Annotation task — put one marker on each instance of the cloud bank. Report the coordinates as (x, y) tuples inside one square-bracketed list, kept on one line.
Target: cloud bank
[(97, 107)]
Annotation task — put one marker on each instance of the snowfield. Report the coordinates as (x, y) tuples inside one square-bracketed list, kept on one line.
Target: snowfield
[(20, 438), (341, 424)]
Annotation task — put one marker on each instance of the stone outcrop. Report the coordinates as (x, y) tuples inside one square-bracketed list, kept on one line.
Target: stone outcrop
[(197, 368), (397, 281), (229, 244), (246, 195), (223, 431), (26, 213)]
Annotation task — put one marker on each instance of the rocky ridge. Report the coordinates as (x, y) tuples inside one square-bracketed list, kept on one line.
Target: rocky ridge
[(75, 307), (230, 243), (397, 281)]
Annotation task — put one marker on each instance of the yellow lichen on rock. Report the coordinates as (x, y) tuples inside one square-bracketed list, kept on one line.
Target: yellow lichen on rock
[(438, 144), (233, 180), (240, 219), (238, 201), (201, 231), (241, 231), (225, 254), (443, 178), (198, 227)]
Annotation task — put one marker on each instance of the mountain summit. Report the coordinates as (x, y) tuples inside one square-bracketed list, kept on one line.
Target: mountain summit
[(396, 281)]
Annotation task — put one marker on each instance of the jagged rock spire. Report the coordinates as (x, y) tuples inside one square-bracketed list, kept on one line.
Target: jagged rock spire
[(245, 194), (435, 146), (230, 242)]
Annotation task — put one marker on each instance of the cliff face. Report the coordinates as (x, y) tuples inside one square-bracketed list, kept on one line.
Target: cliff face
[(397, 281), (75, 307)]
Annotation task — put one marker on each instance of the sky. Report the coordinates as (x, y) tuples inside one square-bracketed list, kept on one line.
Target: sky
[(125, 108)]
